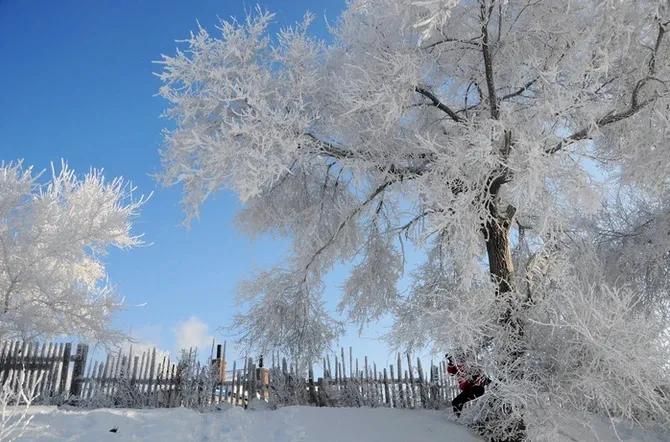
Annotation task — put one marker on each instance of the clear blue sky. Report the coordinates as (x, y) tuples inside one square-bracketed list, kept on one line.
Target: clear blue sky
[(77, 84)]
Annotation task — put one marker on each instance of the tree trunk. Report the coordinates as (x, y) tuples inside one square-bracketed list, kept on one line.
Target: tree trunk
[(500, 254), (501, 267)]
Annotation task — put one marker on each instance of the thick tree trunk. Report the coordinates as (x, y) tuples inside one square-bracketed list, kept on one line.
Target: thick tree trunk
[(500, 254), (501, 267)]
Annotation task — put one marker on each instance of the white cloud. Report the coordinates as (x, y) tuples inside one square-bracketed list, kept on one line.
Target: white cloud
[(144, 340), (193, 332)]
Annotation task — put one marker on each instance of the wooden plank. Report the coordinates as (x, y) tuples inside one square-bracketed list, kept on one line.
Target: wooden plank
[(10, 361), (88, 380), (423, 391), (158, 385), (141, 370), (366, 383), (387, 392), (173, 397), (412, 393), (394, 393), (44, 363), (107, 368), (20, 367), (375, 391), (54, 388), (4, 360), (312, 388), (134, 368), (27, 368), (233, 381), (337, 371), (7, 362), (46, 366), (251, 381), (65, 366), (48, 357), (98, 381), (78, 370), (36, 367)]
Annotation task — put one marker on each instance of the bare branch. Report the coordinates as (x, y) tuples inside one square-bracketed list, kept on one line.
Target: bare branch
[(657, 45), (521, 90), (348, 219), (401, 172), (488, 60), (438, 104), (585, 133), (471, 42), (634, 108)]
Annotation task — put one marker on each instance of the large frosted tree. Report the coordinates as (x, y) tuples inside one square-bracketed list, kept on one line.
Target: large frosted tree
[(522, 144), (52, 235)]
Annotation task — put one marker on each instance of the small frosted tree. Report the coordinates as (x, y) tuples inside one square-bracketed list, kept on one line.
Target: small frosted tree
[(492, 134), (52, 235)]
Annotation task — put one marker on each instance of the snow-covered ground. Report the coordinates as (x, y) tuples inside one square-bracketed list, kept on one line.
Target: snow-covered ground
[(290, 424), (235, 424)]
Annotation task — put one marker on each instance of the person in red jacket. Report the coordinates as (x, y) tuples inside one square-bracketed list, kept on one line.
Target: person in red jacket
[(470, 381)]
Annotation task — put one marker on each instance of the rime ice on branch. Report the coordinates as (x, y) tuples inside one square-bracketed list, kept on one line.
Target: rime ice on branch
[(52, 235), (492, 135)]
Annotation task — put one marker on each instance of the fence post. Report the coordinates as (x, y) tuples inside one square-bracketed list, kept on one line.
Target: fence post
[(422, 383), (79, 370), (65, 368), (312, 389), (387, 393)]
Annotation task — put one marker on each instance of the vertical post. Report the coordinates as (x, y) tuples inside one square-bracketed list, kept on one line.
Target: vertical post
[(78, 370), (152, 371), (394, 397), (337, 371), (233, 384), (386, 390), (65, 368), (411, 395), (366, 388), (312, 389), (422, 386), (252, 381), (133, 373)]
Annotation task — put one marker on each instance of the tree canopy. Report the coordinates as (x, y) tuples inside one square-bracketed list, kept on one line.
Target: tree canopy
[(522, 144), (52, 235)]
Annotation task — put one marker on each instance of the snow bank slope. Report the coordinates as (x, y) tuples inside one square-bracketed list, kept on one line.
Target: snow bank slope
[(290, 424)]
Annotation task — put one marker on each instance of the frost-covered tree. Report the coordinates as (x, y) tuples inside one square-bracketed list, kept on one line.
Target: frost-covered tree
[(52, 235), (491, 134)]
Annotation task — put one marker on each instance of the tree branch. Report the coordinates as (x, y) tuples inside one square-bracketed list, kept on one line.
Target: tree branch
[(348, 219), (610, 118), (401, 172), (485, 14), (471, 42), (635, 104), (521, 90), (438, 104)]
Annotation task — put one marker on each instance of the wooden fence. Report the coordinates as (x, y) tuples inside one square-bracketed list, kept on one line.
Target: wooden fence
[(57, 374)]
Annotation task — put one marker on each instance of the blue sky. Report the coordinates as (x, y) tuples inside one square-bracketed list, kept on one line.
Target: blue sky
[(77, 84)]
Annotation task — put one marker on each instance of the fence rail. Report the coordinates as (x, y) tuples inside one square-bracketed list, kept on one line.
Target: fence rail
[(58, 374)]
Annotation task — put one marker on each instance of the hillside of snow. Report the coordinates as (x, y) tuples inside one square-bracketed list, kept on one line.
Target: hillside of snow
[(289, 424)]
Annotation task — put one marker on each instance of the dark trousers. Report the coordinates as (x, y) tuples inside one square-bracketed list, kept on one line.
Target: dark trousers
[(466, 395)]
